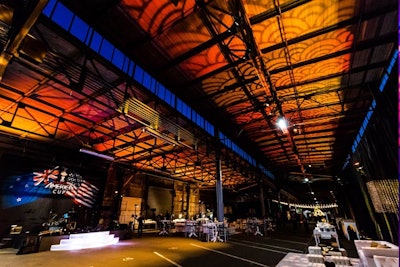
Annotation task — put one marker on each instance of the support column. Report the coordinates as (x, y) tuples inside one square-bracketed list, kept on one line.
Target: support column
[(219, 192), (173, 195), (111, 196), (187, 201), (218, 182), (279, 201), (262, 203)]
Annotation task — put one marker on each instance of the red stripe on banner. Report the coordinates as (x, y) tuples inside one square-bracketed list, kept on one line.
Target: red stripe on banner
[(85, 194), (76, 199)]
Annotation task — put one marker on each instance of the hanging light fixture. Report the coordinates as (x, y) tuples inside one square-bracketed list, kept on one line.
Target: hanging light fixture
[(94, 153)]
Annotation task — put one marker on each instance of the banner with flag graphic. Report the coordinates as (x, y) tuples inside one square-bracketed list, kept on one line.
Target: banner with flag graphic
[(62, 181), (26, 188)]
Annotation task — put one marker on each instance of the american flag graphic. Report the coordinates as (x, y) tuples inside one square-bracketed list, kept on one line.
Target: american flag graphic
[(84, 195)]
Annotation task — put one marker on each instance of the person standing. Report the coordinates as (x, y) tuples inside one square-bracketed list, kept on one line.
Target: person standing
[(140, 225), (305, 224), (293, 217)]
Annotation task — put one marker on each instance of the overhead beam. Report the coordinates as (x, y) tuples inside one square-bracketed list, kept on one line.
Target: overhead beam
[(342, 24), (295, 40), (22, 27), (229, 33), (387, 38)]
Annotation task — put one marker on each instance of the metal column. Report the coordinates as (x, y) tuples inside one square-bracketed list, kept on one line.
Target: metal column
[(219, 192), (262, 203)]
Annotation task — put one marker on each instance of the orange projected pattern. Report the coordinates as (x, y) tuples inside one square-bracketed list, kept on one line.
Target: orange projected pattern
[(240, 64)]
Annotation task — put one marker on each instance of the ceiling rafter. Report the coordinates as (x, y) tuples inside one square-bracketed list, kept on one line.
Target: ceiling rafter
[(239, 14), (367, 44), (200, 51), (208, 23), (341, 24)]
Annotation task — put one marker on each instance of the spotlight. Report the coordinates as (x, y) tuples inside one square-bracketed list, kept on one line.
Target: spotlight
[(282, 124)]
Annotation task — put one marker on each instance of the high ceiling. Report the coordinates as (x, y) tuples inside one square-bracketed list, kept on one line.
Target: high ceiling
[(239, 64)]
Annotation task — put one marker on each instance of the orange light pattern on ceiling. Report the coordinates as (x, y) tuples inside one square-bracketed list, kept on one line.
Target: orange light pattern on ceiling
[(156, 17), (308, 18), (185, 36), (204, 62)]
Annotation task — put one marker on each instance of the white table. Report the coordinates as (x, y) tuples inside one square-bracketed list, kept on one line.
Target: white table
[(300, 260), (270, 224), (253, 226), (381, 261), (325, 231), (180, 225), (191, 228), (211, 230), (165, 227)]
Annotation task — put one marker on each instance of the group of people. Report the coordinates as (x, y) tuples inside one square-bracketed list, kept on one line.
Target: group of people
[(294, 218)]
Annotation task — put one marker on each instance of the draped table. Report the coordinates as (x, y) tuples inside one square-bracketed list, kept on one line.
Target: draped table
[(165, 227), (325, 231)]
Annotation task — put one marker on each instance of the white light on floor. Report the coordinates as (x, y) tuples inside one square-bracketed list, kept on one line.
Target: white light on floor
[(86, 240)]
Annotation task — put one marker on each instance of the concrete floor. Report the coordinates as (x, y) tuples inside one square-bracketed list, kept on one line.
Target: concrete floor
[(150, 250)]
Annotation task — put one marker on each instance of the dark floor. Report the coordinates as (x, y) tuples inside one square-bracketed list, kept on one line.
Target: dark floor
[(240, 250)]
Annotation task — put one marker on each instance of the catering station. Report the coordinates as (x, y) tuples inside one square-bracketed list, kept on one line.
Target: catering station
[(325, 230)]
